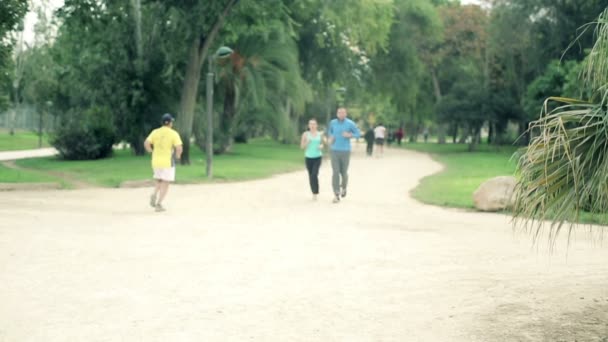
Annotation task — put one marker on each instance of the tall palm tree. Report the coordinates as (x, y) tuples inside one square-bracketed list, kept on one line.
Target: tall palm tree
[(261, 85), (564, 170)]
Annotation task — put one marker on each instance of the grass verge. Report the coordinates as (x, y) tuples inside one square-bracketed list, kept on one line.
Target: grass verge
[(258, 159), (465, 171), (9, 175), (21, 140)]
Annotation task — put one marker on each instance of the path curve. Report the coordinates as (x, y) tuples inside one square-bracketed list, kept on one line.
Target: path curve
[(260, 261), (24, 154)]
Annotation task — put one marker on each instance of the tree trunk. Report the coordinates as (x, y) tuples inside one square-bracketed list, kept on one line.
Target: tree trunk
[(11, 119), (328, 114), (475, 139), (188, 98), (225, 138), (442, 127), (413, 128), (199, 133), (491, 133), (524, 133), (287, 135), (197, 54), (138, 101), (137, 145)]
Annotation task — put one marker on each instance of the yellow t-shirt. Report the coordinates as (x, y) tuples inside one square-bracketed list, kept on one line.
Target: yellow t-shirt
[(164, 140)]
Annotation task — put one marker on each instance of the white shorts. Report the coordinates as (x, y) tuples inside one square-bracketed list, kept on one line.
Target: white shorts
[(166, 174)]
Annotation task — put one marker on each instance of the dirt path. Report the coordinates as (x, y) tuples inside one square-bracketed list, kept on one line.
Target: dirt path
[(22, 154), (259, 261)]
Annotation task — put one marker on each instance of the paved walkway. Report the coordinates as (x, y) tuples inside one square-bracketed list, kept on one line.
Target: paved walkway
[(260, 261), (14, 155)]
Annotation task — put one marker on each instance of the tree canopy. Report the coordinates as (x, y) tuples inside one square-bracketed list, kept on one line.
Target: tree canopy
[(469, 70)]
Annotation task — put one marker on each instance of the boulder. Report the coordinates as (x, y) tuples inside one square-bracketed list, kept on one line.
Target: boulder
[(495, 194)]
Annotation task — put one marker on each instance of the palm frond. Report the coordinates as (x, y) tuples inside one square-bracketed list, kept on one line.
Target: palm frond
[(595, 72), (564, 170)]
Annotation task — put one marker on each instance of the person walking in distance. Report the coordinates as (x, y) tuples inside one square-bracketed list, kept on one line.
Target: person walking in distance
[(166, 146), (380, 135), (312, 143), (369, 140), (341, 130)]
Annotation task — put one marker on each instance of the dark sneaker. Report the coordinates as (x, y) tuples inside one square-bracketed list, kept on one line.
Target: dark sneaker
[(159, 208), (336, 198), (153, 201), (343, 194)]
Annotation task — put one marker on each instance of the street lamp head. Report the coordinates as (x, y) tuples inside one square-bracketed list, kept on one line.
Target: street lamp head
[(223, 52)]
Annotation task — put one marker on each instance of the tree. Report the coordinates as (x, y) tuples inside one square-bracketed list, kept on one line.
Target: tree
[(333, 52), (261, 80), (460, 57), (11, 16), (110, 57), (553, 82), (398, 71), (203, 20), (563, 171)]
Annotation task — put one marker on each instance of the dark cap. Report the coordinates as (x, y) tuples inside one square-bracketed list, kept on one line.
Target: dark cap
[(166, 118)]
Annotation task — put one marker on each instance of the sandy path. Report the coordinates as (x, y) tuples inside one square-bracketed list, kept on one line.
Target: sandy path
[(259, 261), (39, 152)]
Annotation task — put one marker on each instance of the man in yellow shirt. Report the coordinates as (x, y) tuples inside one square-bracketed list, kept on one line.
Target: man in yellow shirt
[(166, 146)]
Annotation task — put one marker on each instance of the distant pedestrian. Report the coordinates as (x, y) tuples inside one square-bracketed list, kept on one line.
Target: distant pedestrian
[(312, 142), (399, 135), (369, 139), (166, 146), (341, 130), (380, 136), (425, 134)]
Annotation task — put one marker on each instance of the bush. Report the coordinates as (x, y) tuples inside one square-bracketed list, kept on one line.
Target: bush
[(89, 136)]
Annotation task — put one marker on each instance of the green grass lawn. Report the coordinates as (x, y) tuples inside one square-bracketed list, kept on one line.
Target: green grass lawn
[(259, 158), (21, 140), (8, 175), (464, 172)]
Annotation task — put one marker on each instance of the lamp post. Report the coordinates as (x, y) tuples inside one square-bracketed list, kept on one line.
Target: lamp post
[(222, 52)]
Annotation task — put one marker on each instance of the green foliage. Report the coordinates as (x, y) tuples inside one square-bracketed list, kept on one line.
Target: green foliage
[(398, 70), (464, 104), (553, 82), (12, 13), (564, 170), (88, 137), (20, 141)]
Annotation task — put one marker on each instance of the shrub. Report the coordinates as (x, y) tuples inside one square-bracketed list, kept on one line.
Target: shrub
[(90, 135)]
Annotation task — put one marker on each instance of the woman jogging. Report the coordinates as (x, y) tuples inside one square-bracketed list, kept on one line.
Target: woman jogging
[(312, 143)]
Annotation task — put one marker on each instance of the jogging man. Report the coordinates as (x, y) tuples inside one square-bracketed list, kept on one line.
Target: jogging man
[(166, 146), (341, 130)]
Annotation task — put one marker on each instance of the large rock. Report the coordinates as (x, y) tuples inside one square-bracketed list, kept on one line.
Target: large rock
[(495, 194)]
